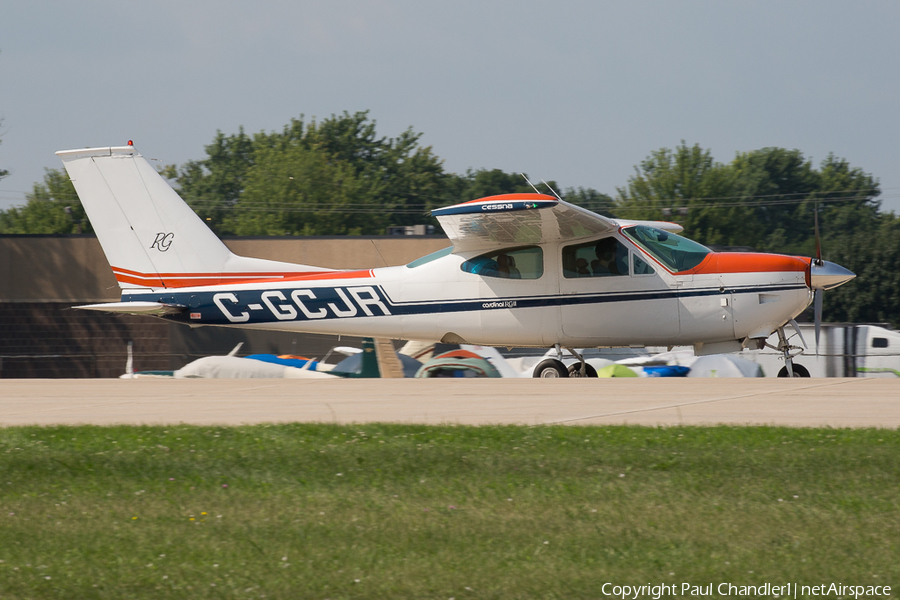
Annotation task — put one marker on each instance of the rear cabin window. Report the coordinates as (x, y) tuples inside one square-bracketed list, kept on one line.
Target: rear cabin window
[(526, 262), (879, 342)]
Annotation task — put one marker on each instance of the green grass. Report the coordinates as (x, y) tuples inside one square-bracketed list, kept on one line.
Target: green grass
[(392, 511)]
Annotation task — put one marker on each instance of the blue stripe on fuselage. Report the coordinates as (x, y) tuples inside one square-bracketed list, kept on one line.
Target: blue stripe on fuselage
[(341, 302)]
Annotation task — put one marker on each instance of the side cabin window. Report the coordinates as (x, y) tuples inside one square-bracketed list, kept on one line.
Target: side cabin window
[(512, 263), (601, 258), (639, 266)]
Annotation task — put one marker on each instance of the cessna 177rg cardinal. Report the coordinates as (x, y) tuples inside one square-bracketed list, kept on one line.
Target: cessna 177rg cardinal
[(523, 270)]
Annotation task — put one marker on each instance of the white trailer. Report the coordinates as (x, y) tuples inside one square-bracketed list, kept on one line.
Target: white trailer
[(845, 350)]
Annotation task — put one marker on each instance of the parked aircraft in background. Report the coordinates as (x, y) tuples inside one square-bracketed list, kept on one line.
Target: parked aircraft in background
[(524, 270)]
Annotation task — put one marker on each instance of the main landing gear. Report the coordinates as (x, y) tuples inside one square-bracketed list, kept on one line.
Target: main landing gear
[(554, 367)]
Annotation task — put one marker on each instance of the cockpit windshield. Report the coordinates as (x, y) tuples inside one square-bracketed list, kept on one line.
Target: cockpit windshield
[(673, 251)]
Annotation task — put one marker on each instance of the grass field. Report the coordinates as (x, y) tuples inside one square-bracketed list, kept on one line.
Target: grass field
[(392, 511)]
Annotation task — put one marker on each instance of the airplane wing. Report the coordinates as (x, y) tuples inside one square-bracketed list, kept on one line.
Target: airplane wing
[(523, 219)]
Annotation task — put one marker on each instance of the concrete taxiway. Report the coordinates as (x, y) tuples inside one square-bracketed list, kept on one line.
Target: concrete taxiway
[(665, 401)]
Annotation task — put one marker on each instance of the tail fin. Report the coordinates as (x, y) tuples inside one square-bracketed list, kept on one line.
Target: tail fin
[(151, 238)]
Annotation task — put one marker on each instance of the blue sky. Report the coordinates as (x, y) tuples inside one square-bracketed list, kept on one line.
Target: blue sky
[(579, 92)]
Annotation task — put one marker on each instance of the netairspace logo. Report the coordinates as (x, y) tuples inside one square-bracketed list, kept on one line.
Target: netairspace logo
[(786, 590)]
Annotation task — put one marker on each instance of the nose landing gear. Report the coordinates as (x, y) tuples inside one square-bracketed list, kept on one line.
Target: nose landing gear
[(789, 351)]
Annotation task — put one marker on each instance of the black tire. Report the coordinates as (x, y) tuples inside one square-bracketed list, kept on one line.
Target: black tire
[(575, 370), (550, 368), (799, 371)]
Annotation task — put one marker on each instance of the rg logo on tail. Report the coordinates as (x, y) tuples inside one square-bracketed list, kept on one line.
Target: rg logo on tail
[(163, 241)]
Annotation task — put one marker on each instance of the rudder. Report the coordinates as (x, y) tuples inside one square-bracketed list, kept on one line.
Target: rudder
[(150, 236)]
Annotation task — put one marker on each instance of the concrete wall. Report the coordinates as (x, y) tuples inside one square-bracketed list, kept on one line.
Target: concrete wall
[(74, 268), (340, 253), (41, 277), (54, 269), (50, 340)]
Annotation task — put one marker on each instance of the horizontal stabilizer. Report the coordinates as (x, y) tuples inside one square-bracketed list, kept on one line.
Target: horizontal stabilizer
[(157, 309)]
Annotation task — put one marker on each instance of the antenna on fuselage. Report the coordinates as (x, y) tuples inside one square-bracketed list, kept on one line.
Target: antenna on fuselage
[(558, 197), (525, 177)]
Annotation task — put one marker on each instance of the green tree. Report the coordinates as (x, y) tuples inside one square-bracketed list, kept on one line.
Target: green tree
[(51, 207), (590, 199), (668, 177), (405, 178), (686, 185), (398, 174), (764, 198), (298, 191), (212, 186), (848, 199), (784, 190), (491, 182), (873, 254)]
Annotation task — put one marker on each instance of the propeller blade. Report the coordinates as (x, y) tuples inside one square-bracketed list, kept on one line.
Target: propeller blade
[(818, 241), (818, 312)]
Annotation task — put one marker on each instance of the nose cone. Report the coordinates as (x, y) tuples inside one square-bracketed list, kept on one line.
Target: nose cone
[(827, 275)]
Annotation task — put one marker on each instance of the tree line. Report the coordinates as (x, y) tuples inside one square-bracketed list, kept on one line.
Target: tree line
[(339, 177)]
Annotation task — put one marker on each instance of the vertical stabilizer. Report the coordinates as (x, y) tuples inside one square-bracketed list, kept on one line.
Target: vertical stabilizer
[(150, 236)]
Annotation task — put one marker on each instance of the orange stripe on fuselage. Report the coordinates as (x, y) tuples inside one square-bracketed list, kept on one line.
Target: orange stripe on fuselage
[(748, 262), (178, 280), (363, 274), (508, 197)]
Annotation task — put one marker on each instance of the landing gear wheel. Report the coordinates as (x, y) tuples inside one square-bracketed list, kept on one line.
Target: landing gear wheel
[(575, 370), (799, 371), (550, 368)]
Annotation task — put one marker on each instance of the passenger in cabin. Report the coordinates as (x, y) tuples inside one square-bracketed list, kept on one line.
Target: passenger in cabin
[(581, 267), (606, 263), (482, 265), (506, 266)]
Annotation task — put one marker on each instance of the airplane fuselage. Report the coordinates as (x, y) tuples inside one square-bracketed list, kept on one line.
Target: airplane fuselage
[(726, 297)]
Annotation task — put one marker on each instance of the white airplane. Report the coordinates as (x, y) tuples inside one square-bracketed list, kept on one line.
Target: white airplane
[(524, 270)]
